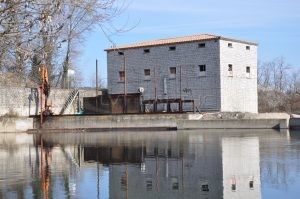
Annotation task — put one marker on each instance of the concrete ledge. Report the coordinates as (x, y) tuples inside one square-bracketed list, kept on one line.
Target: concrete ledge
[(233, 124), (157, 121), (15, 124), (295, 123)]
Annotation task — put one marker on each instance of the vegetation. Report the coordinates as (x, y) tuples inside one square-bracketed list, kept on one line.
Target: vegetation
[(278, 87), (32, 32)]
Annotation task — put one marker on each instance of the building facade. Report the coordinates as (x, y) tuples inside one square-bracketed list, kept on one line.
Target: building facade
[(217, 73)]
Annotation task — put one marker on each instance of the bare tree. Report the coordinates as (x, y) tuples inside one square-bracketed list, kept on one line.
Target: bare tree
[(46, 31)]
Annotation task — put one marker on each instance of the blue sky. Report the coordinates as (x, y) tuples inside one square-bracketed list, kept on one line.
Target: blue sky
[(274, 24)]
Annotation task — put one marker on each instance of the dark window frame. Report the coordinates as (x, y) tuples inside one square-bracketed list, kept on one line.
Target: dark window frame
[(173, 70), (122, 76), (147, 72), (202, 68), (201, 45), (172, 48)]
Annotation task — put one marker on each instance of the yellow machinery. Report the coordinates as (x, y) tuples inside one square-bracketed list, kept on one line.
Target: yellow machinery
[(45, 89)]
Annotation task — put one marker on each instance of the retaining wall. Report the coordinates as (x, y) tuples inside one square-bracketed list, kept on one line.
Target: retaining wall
[(12, 124), (164, 121), (21, 101)]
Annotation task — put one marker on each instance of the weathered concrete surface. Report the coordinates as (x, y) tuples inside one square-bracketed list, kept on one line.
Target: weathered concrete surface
[(295, 123), (22, 101), (114, 121), (233, 124), (164, 121), (15, 124)]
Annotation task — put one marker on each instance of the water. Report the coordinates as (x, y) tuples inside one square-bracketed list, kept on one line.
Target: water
[(181, 164)]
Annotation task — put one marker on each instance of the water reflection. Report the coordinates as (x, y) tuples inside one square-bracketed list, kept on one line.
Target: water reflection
[(190, 164)]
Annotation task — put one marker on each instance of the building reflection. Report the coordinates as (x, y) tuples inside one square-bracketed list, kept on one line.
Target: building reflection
[(241, 172), (136, 165)]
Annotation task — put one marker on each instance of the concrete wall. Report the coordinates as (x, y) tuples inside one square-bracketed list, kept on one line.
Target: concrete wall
[(163, 121), (11, 124), (233, 124), (21, 101), (239, 89), (205, 89)]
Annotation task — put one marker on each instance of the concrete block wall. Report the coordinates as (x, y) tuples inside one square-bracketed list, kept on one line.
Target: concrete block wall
[(239, 91), (187, 57), (21, 101), (214, 90)]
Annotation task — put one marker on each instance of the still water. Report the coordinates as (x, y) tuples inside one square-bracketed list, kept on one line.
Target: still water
[(229, 164)]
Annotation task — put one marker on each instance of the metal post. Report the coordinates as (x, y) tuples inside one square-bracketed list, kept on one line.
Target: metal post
[(180, 87), (96, 86), (125, 86), (96, 77)]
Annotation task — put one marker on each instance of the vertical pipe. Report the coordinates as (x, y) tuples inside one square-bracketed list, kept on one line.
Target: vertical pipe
[(96, 86), (180, 87), (96, 77), (155, 94), (125, 86), (180, 84)]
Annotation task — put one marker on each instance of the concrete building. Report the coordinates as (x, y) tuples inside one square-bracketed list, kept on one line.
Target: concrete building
[(214, 72)]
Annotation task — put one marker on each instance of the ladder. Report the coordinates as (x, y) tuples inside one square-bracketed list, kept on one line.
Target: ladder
[(70, 99)]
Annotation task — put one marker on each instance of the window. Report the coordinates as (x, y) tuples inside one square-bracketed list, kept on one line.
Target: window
[(201, 45), (204, 187), (148, 184), (146, 51), (172, 48), (121, 76), (121, 53), (233, 187), (247, 47), (175, 183), (202, 70), (172, 71), (230, 70), (230, 45), (147, 72), (248, 71), (251, 184)]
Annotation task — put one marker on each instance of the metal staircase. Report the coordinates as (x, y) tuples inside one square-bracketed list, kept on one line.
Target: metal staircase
[(70, 99)]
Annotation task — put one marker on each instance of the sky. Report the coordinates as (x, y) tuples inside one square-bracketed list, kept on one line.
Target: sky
[(273, 24)]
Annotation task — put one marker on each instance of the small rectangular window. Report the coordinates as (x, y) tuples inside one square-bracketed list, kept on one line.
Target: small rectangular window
[(202, 68), (248, 69), (201, 45), (147, 72), (146, 50), (172, 48), (204, 187), (121, 53), (230, 45), (175, 183), (172, 70), (247, 47), (230, 70), (251, 184), (121, 76), (233, 187)]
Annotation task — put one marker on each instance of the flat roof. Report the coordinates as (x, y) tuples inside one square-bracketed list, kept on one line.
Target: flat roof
[(176, 40)]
